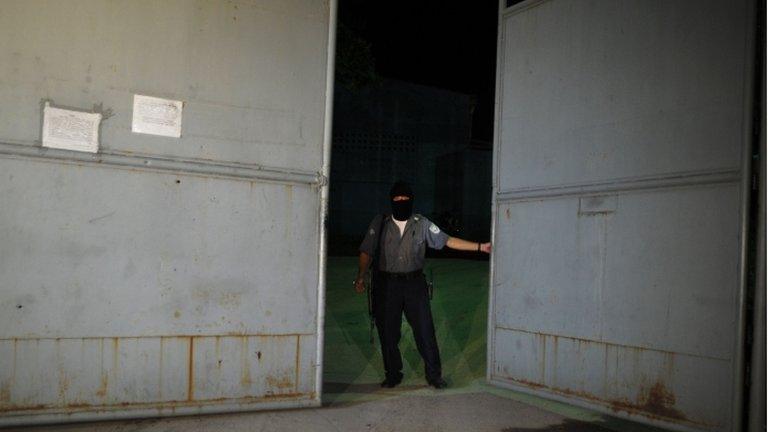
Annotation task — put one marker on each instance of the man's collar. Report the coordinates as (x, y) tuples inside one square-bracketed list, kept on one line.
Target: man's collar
[(414, 217)]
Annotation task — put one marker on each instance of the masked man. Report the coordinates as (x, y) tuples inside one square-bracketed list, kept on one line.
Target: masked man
[(399, 241)]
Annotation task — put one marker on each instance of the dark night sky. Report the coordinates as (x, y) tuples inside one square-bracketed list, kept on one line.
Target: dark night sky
[(440, 44)]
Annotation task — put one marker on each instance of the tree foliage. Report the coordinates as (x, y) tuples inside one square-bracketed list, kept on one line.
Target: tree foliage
[(355, 65)]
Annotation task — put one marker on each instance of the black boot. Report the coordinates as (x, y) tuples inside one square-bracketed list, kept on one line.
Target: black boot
[(391, 382), (438, 383)]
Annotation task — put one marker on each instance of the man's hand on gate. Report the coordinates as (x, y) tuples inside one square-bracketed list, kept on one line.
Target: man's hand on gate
[(359, 285), (465, 245), (485, 247)]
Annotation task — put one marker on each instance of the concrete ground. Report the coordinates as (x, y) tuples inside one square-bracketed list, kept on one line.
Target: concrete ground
[(394, 410), (352, 398)]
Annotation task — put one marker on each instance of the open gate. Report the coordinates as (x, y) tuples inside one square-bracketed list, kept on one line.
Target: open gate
[(620, 188)]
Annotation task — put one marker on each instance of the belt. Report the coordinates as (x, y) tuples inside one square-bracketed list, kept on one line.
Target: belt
[(404, 276)]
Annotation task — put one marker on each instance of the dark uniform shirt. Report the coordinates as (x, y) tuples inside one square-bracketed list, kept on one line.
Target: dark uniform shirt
[(403, 254)]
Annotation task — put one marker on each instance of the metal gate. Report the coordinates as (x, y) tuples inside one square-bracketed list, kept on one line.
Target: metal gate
[(619, 197), (164, 275)]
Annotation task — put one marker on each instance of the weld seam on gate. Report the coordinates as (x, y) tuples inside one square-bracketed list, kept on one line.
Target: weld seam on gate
[(622, 185), (117, 160), (614, 344)]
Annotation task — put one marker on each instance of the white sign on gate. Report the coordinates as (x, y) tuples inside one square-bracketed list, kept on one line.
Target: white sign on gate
[(156, 116), (70, 130)]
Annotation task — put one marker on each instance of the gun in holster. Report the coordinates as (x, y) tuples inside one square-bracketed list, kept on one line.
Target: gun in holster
[(369, 290), (431, 284)]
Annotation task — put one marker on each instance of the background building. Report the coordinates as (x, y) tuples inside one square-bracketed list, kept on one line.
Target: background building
[(392, 130)]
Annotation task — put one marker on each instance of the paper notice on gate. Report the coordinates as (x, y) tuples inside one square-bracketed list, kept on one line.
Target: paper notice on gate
[(156, 116), (70, 130)]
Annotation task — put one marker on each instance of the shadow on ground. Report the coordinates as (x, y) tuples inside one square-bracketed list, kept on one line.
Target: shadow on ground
[(567, 425), (363, 388)]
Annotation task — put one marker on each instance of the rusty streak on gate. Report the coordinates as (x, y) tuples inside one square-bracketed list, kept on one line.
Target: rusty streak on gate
[(191, 370), (654, 400), (75, 393)]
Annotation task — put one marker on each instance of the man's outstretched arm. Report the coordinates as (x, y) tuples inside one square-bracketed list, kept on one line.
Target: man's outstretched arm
[(464, 245), (363, 264)]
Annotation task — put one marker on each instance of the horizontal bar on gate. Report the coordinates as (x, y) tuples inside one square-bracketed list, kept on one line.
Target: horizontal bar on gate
[(166, 336), (166, 164), (608, 343), (520, 7), (623, 185), (598, 405), (130, 412)]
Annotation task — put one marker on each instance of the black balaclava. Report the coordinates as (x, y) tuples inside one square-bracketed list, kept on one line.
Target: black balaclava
[(401, 210)]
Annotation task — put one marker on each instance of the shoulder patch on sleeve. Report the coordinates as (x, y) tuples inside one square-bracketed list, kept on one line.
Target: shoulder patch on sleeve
[(434, 229), (372, 232)]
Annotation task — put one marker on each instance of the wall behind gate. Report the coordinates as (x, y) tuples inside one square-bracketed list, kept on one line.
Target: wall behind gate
[(161, 275)]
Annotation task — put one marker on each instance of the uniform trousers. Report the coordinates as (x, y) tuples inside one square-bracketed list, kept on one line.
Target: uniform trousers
[(391, 297)]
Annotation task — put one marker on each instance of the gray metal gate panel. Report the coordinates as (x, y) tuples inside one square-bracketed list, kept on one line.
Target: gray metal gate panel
[(164, 276), (618, 210), (251, 72)]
